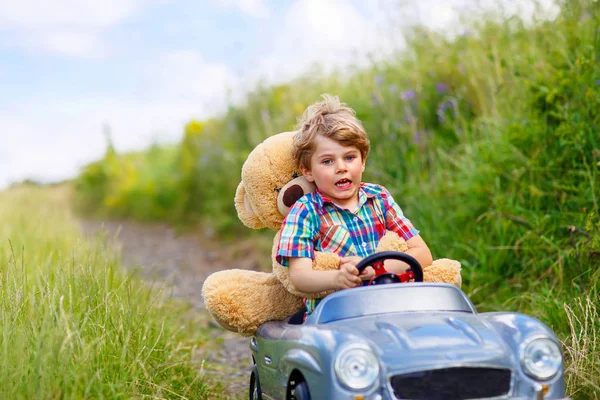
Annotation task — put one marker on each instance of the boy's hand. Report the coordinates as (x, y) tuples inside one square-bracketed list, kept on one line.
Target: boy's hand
[(347, 277), (366, 274)]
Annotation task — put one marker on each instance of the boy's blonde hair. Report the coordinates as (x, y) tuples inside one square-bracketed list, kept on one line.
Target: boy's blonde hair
[(332, 119)]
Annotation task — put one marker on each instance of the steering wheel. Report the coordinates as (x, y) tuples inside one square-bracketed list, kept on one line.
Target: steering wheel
[(382, 276)]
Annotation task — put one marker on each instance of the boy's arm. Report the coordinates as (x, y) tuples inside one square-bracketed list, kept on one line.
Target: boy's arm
[(397, 222), (307, 280)]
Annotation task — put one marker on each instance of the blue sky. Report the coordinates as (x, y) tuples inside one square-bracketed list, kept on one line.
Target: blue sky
[(69, 68)]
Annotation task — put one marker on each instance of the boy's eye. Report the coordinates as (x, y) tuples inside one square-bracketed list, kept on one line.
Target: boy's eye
[(326, 162), (350, 158)]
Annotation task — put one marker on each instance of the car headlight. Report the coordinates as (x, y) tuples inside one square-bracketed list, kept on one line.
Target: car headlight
[(541, 358), (356, 366)]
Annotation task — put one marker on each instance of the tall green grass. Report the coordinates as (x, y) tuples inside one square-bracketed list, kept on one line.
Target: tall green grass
[(490, 142), (73, 324)]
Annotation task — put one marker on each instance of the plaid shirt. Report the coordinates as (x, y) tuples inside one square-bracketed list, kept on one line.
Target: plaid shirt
[(315, 223)]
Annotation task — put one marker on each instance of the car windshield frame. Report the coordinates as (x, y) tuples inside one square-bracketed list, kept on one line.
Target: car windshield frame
[(390, 298)]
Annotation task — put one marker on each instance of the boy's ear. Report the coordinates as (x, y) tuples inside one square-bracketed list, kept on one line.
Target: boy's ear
[(307, 174), (364, 161)]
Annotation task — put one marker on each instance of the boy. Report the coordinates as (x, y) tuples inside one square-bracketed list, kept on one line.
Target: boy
[(344, 215)]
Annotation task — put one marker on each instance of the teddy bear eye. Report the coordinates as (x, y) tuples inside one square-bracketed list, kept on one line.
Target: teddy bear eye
[(295, 175), (277, 189)]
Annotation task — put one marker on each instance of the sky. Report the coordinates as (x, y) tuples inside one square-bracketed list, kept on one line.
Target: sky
[(72, 70)]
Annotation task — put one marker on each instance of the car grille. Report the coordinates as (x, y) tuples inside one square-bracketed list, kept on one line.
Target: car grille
[(452, 383)]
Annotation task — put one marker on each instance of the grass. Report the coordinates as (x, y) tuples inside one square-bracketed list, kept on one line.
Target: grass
[(74, 325), (582, 371)]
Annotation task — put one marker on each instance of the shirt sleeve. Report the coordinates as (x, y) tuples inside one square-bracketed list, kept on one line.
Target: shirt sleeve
[(395, 220), (297, 234)]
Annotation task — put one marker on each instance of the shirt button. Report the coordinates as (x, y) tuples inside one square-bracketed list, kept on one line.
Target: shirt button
[(364, 244), (355, 218)]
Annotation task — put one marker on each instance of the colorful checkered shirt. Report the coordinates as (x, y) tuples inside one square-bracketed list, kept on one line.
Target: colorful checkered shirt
[(315, 223)]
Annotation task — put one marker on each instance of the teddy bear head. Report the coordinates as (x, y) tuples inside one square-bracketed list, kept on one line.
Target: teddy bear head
[(271, 183)]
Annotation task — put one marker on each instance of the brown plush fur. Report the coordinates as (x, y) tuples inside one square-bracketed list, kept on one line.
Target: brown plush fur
[(241, 300)]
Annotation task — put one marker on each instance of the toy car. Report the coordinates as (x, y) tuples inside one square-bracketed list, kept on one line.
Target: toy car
[(405, 341)]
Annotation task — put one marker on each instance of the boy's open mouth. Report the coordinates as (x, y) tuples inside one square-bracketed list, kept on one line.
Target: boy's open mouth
[(343, 183)]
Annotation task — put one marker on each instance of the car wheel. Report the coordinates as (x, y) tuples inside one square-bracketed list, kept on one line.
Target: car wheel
[(301, 392), (254, 389)]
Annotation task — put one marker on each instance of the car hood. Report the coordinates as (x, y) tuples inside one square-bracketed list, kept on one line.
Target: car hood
[(411, 339)]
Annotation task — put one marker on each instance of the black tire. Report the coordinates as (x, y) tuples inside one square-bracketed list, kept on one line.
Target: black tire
[(254, 392), (301, 392)]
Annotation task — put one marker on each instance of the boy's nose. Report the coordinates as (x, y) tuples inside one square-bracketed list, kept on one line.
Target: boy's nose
[(340, 166)]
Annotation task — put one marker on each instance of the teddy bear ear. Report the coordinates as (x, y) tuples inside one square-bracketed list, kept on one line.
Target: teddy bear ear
[(244, 209), (291, 192)]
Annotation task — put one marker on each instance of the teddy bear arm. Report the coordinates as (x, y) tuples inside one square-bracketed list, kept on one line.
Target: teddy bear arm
[(241, 300), (443, 270)]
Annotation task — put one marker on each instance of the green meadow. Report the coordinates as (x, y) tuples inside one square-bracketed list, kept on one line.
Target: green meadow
[(489, 140), (74, 325)]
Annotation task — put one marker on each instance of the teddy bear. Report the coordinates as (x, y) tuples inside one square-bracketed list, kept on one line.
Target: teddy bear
[(241, 300)]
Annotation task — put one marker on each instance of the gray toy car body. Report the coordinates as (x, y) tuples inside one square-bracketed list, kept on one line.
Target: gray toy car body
[(406, 341)]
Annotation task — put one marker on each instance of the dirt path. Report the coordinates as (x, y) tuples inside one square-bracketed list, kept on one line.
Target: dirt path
[(184, 261)]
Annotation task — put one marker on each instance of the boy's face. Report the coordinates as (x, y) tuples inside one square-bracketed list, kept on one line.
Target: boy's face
[(336, 170)]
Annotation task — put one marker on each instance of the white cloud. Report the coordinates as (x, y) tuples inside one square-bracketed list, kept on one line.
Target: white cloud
[(69, 27), (50, 139), (329, 33), (74, 44), (255, 8), (84, 13), (74, 134), (55, 155), (448, 16), (186, 75)]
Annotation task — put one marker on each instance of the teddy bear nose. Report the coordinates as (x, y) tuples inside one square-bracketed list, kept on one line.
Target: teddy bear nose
[(292, 194)]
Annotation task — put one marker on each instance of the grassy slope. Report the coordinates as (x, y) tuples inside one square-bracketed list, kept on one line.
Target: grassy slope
[(73, 324)]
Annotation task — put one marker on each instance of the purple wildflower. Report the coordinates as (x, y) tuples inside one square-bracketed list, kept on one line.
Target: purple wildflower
[(408, 115), (375, 100), (441, 87), (264, 114), (379, 80), (418, 137), (585, 16), (597, 81), (393, 88), (408, 95), (441, 111)]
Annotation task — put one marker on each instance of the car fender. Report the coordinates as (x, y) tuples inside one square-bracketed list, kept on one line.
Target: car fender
[(300, 359), (516, 328), (519, 329)]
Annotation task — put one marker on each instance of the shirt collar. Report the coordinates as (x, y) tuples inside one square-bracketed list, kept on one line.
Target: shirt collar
[(363, 196)]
